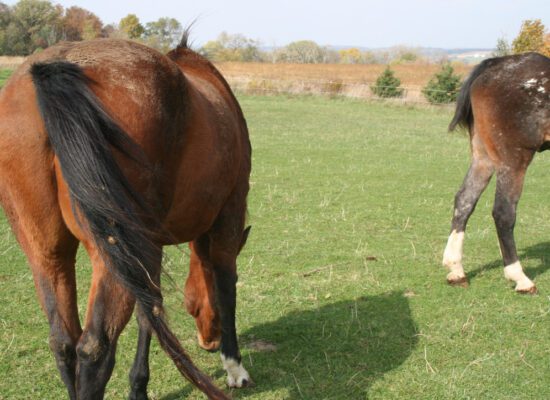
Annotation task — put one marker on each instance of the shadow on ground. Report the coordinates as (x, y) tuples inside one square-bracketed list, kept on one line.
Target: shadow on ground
[(540, 251), (336, 351)]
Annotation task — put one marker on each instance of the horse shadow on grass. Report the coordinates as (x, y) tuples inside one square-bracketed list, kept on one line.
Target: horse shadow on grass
[(335, 351), (539, 251)]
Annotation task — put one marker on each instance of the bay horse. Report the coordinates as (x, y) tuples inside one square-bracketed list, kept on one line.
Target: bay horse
[(113, 145), (505, 105)]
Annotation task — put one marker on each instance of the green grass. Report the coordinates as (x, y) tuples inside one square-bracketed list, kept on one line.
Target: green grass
[(4, 75), (334, 183)]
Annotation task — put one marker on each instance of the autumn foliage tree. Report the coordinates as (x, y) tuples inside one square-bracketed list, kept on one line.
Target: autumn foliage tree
[(163, 34), (232, 47), (81, 24), (350, 56), (532, 37), (131, 26)]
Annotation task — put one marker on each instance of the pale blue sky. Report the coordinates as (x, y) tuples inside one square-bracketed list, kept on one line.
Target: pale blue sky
[(369, 23)]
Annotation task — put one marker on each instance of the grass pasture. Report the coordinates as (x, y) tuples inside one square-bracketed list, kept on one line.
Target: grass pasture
[(4, 75), (341, 292)]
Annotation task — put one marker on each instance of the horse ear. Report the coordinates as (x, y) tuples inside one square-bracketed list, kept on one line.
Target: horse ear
[(246, 232)]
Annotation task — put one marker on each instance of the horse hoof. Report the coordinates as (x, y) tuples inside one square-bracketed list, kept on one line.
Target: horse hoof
[(462, 282), (531, 290), (245, 383)]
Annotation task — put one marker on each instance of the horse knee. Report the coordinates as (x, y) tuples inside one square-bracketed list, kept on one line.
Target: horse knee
[(63, 348), (91, 348)]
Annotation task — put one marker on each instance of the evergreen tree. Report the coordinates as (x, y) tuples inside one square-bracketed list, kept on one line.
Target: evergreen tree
[(387, 85), (443, 87)]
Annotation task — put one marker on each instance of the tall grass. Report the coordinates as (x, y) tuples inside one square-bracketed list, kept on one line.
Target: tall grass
[(341, 293)]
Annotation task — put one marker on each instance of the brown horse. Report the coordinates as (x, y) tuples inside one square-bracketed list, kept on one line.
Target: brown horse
[(505, 104), (125, 150)]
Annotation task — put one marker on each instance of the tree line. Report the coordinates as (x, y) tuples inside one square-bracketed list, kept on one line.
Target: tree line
[(32, 25)]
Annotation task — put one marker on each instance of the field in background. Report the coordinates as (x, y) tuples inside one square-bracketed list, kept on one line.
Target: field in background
[(344, 80), (329, 79), (410, 74), (8, 62), (341, 292)]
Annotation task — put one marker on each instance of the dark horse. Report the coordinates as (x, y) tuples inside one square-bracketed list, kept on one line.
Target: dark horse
[(505, 104), (111, 144)]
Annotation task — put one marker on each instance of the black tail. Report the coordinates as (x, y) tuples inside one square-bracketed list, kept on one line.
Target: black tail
[(82, 135), (463, 114)]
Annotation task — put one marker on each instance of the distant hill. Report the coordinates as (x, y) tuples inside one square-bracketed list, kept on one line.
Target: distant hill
[(466, 55)]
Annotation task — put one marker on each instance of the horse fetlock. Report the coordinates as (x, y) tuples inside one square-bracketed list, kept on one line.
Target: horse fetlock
[(237, 376)]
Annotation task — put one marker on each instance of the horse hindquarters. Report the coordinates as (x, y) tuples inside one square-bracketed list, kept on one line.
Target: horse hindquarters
[(110, 220)]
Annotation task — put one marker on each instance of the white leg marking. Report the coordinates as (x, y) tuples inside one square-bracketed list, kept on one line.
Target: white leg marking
[(514, 272), (452, 257), (237, 376)]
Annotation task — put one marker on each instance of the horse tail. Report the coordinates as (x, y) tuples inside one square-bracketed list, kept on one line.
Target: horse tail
[(82, 136), (463, 113)]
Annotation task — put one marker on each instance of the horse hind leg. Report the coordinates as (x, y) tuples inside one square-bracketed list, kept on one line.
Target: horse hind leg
[(56, 289), (51, 250), (110, 307), (508, 191), (475, 182)]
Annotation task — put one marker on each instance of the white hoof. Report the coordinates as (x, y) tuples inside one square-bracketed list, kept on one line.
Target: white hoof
[(456, 276), (526, 286), (237, 376), (514, 272)]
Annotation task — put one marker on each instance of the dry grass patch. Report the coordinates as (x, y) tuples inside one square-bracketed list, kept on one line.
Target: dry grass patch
[(409, 74), (11, 62)]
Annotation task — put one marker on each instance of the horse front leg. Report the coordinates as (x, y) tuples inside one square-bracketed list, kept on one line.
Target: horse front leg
[(200, 297), (226, 240), (139, 374)]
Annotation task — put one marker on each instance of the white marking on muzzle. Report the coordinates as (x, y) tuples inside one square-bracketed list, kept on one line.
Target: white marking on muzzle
[(236, 374)]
